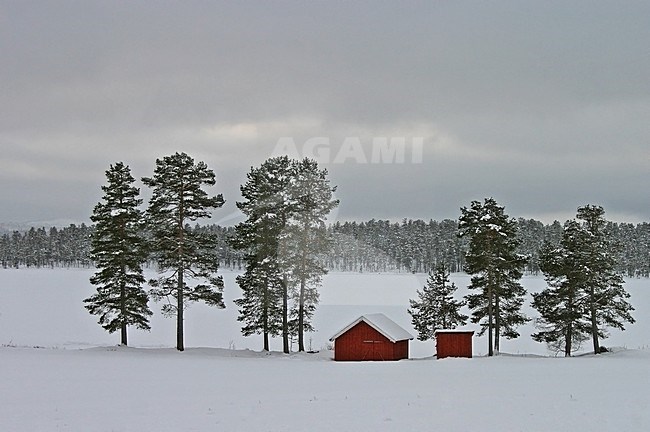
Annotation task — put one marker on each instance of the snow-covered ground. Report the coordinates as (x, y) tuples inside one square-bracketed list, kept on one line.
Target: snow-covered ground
[(48, 383), (44, 308)]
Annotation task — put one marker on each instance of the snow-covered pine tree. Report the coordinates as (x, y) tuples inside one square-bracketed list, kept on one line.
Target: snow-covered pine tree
[(181, 252), (264, 306), (562, 324), (286, 204), (607, 304), (586, 293), (118, 252), (436, 307), (496, 270), (306, 239)]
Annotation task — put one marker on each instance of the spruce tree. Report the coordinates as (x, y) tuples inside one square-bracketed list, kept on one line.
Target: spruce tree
[(436, 308), (118, 251), (496, 268), (183, 253)]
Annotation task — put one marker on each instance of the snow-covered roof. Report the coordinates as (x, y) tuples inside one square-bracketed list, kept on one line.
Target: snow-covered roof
[(456, 330), (380, 322)]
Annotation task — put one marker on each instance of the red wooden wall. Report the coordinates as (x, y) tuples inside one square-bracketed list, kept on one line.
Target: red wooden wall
[(363, 342), (454, 344)]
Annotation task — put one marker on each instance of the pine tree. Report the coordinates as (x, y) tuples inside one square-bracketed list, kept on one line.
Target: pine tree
[(286, 204), (307, 239), (562, 324), (259, 307), (264, 306), (586, 293), (182, 253), (436, 308), (606, 296), (497, 269), (119, 252)]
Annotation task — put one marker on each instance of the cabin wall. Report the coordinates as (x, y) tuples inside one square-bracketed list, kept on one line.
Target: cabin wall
[(401, 350)]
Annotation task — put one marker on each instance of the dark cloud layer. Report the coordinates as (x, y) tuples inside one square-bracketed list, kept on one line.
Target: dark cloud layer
[(543, 105)]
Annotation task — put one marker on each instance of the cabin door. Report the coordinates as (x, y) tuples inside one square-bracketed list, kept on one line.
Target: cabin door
[(373, 350)]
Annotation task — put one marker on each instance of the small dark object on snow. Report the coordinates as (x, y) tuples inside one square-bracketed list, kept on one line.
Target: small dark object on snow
[(603, 350)]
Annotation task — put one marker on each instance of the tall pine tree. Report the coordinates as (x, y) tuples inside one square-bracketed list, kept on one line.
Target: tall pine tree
[(496, 268), (264, 306), (586, 293), (307, 240), (606, 296), (562, 323), (183, 254), (118, 250), (436, 307), (286, 203)]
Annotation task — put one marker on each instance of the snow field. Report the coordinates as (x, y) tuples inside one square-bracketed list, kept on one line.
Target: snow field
[(211, 387), (43, 307), (124, 389)]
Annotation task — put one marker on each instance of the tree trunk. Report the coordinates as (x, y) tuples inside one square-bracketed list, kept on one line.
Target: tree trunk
[(301, 297), (490, 323), (491, 295), (497, 324), (123, 336), (568, 341), (594, 322), (301, 316), (285, 315), (181, 284), (179, 313), (265, 319)]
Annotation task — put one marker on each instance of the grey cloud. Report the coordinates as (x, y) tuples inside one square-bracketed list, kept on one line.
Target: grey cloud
[(543, 105)]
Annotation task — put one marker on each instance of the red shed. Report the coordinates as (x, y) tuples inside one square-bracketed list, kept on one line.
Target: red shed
[(453, 343), (373, 337)]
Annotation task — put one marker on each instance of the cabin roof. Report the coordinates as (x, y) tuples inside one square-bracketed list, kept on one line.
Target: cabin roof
[(380, 322)]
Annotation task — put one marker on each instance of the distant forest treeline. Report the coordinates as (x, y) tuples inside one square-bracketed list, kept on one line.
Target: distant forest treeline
[(372, 246)]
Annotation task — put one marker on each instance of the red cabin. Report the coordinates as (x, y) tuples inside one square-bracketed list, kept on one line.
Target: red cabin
[(373, 337), (453, 343)]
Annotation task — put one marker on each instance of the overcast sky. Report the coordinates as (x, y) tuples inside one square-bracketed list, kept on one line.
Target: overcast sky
[(543, 105)]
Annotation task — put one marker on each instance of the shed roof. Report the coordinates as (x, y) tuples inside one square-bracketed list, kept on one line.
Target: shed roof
[(380, 322), (465, 331)]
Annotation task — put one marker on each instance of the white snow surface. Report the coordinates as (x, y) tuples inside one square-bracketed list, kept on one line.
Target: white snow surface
[(380, 322), (61, 372)]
